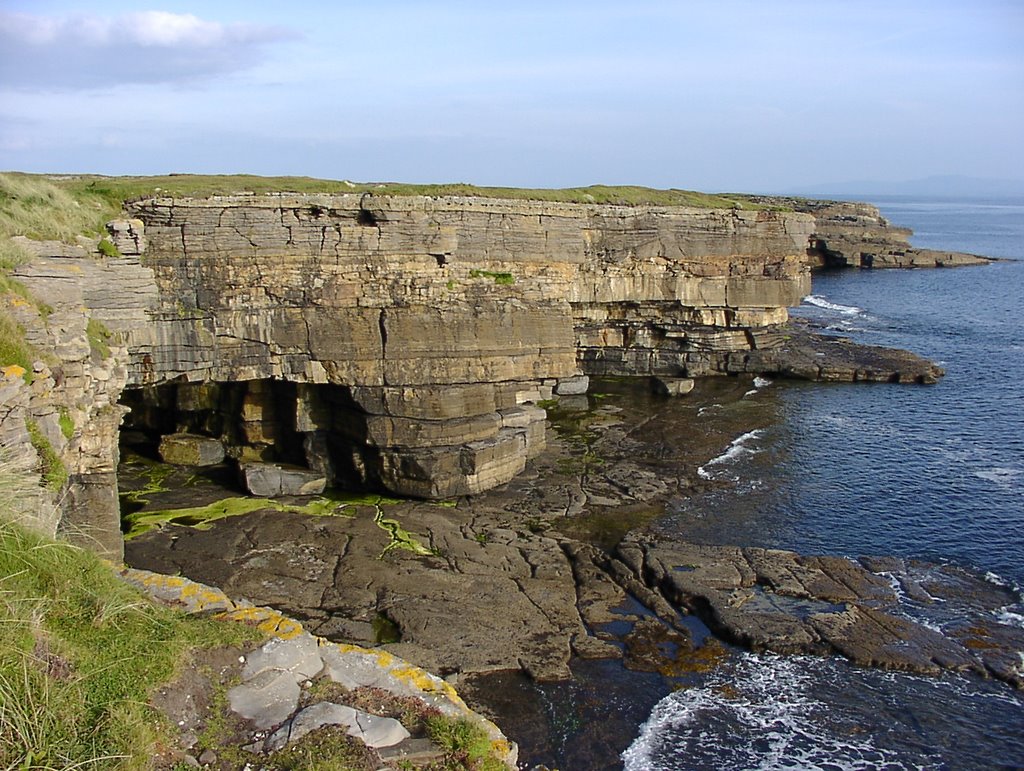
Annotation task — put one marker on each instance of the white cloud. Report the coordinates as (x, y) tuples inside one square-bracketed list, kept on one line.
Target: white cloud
[(90, 51)]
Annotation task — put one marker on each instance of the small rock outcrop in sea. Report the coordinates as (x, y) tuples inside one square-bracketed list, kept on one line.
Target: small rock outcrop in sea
[(871, 611)]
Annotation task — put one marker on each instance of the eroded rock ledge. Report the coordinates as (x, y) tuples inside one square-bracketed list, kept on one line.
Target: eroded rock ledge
[(403, 343)]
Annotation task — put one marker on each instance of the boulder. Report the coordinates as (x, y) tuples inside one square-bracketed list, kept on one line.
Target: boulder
[(572, 386), (191, 450), (270, 480), (672, 386)]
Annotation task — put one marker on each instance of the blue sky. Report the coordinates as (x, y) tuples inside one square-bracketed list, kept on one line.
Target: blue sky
[(727, 95)]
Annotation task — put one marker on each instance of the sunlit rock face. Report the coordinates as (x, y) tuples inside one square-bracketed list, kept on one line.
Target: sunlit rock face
[(397, 343), (419, 326)]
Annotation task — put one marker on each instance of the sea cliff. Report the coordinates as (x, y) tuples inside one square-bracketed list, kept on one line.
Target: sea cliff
[(401, 342)]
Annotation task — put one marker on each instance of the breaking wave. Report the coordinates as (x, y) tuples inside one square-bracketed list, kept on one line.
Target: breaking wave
[(737, 449), (821, 302)]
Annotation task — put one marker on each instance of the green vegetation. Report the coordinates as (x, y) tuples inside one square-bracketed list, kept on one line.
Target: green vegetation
[(465, 743), (99, 338), (499, 278), (99, 198), (80, 651), (385, 631), (203, 517), (14, 350), (50, 208), (326, 749), (52, 468), (107, 248), (66, 423), (400, 538)]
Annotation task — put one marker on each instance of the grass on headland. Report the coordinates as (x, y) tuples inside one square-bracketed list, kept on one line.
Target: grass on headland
[(80, 650), (101, 197)]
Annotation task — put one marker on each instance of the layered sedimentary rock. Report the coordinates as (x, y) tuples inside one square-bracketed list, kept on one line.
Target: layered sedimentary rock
[(417, 328), (856, 235), (66, 418), (397, 342)]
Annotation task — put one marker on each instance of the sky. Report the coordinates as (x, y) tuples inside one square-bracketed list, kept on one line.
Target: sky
[(723, 95)]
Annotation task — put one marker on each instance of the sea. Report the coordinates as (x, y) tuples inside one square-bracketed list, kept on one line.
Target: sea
[(932, 472)]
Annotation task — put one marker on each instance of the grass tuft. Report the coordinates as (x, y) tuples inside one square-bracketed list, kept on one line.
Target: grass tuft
[(99, 338), (100, 198), (465, 743), (14, 349), (51, 467), (107, 248), (66, 423)]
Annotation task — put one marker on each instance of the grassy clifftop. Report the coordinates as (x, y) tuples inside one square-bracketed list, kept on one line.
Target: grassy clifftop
[(109, 192)]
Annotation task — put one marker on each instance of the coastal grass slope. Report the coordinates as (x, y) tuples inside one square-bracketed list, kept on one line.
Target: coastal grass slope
[(81, 650)]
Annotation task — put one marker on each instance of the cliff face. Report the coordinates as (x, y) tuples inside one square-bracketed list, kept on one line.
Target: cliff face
[(419, 331), (401, 342)]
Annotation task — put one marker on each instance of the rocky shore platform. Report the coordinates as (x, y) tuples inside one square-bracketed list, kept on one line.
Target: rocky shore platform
[(557, 572)]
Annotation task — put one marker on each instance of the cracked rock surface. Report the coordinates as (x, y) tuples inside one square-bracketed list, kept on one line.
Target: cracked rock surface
[(559, 565)]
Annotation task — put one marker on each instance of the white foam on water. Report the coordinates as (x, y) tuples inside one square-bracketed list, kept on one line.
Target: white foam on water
[(821, 302), (1004, 477), (1010, 618), (737, 449), (766, 709), (1011, 615)]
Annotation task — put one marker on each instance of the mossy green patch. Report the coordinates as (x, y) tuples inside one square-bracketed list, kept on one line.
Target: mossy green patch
[(400, 537), (66, 423), (505, 279), (464, 742), (108, 248), (14, 349), (52, 468), (385, 631), (156, 476), (99, 338), (203, 517)]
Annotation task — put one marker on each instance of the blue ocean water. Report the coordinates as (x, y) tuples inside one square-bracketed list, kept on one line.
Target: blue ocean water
[(933, 471)]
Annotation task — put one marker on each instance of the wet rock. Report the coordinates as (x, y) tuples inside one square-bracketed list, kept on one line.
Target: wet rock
[(672, 386), (766, 599), (571, 386), (805, 355), (191, 450)]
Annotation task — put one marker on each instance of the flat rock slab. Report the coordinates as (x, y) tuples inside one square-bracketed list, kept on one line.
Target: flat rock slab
[(267, 699), (672, 386), (807, 355), (272, 480), (372, 730), (191, 450), (298, 656)]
